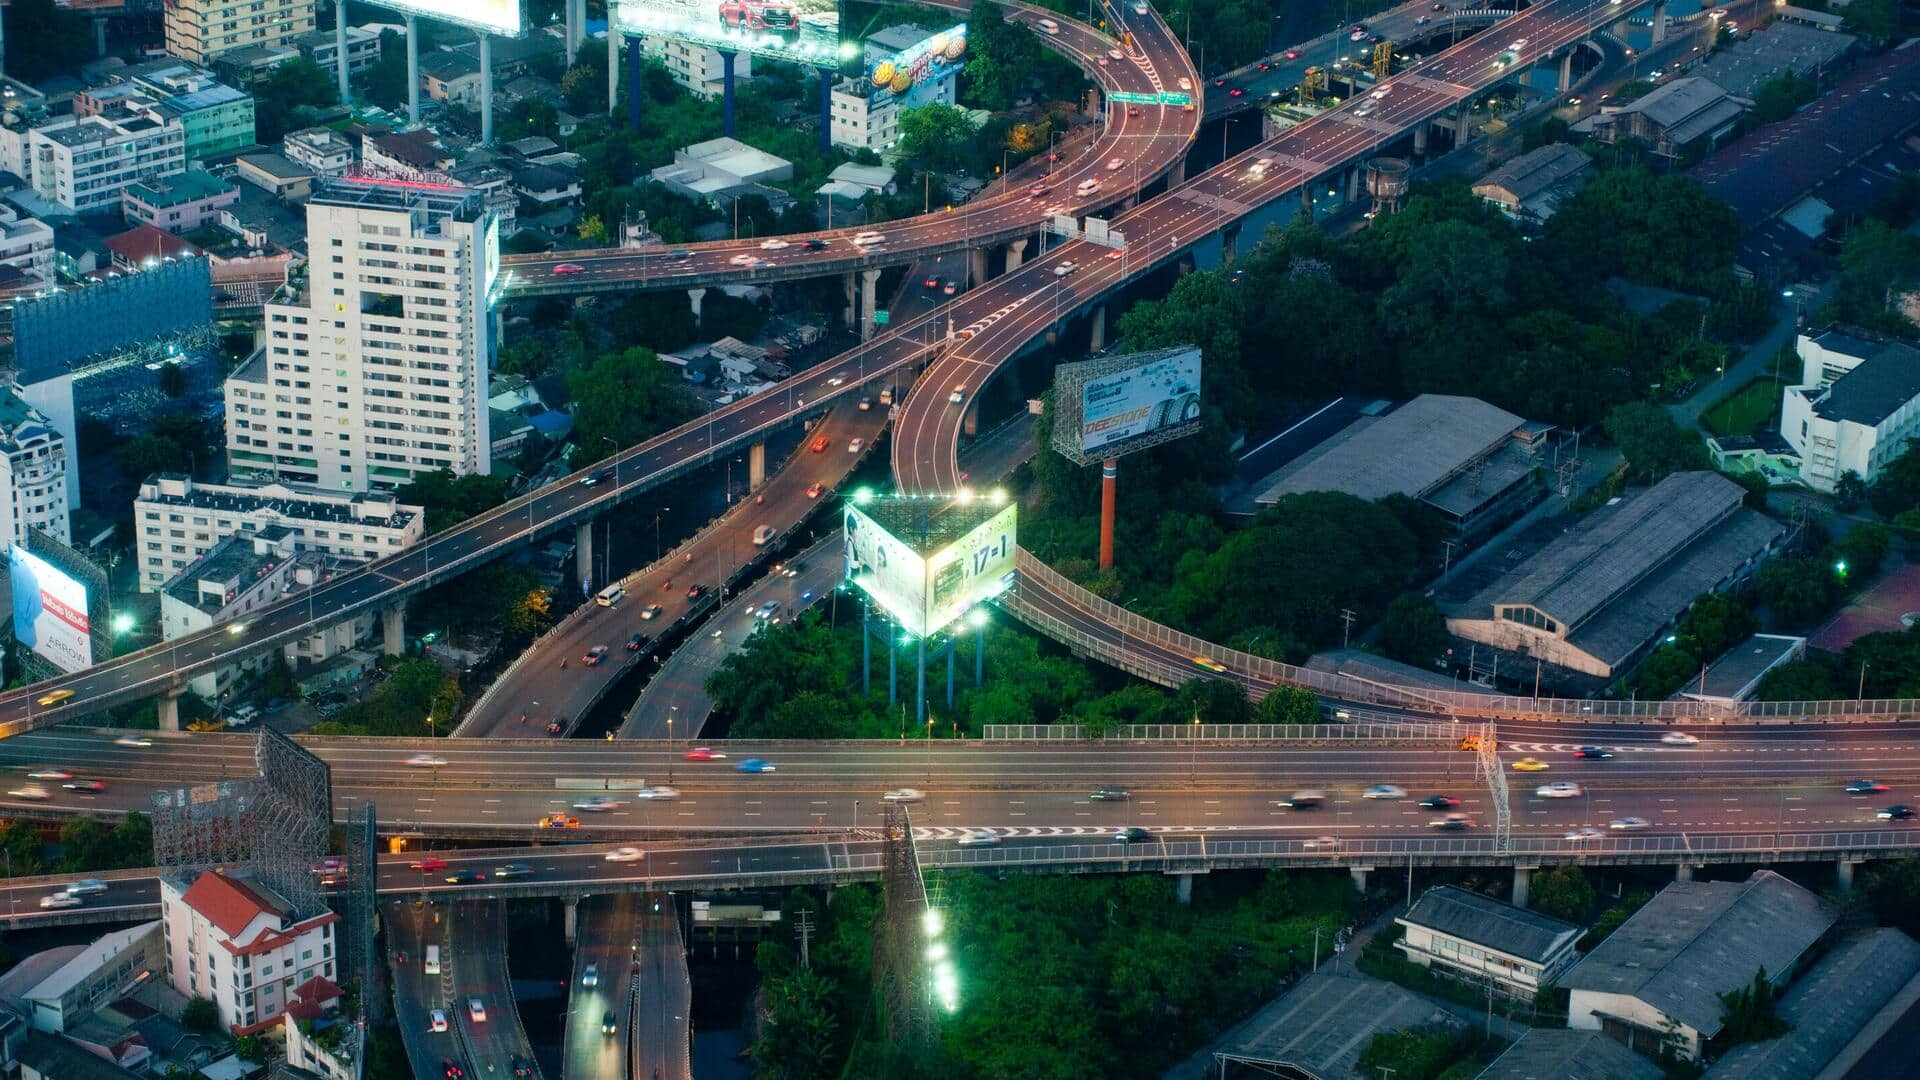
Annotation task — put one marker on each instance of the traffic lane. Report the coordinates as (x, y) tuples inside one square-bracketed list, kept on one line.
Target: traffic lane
[(662, 1009), (604, 938), (128, 894), (410, 929), (480, 971)]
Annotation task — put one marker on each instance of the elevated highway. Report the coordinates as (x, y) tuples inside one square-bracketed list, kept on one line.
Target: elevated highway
[(663, 994), (603, 943)]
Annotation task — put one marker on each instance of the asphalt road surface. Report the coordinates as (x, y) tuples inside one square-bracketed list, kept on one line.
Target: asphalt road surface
[(494, 1037), (410, 928), (664, 1004), (604, 939)]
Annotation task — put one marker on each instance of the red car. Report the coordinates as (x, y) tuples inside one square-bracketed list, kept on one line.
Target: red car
[(1235, 92), (1133, 110), (932, 281), (427, 865), (1293, 54), (813, 492), (569, 268), (819, 445), (776, 15), (702, 753), (554, 727), (1264, 66), (695, 592), (1220, 82)]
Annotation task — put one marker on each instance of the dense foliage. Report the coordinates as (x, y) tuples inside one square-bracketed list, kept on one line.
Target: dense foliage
[(414, 691)]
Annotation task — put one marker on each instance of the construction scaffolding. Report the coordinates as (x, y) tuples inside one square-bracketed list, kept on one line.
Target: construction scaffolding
[(362, 846), (201, 827), (1487, 764), (899, 949)]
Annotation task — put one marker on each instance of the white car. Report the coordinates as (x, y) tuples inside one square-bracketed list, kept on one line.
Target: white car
[(476, 1011), (1680, 738), (86, 887), (1259, 168), (1627, 824), (591, 976), (743, 260), (1384, 791), (61, 900), (1064, 269), (903, 795), (625, 854), (1320, 843), (959, 395), (868, 239), (427, 761), (1381, 93), (772, 245), (837, 380), (1186, 84), (597, 804), (854, 445), (766, 610), (1116, 164), (658, 793), (31, 791), (1559, 789), (134, 741), (437, 1020), (1585, 835)]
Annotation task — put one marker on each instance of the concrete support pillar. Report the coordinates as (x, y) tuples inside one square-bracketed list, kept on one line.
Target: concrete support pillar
[(570, 906), (847, 289), (1306, 198), (169, 704), (1522, 885), (1016, 254), (869, 288), (1183, 888), (826, 110), (1566, 72), (486, 90), (1359, 874), (1229, 243), (339, 50), (756, 466), (726, 91), (100, 35), (1097, 331), (413, 70), (1683, 872), (1094, 101), (1420, 142), (1843, 869), (393, 628), (970, 423), (633, 83), (696, 297), (1353, 184), (613, 70), (1659, 22), (572, 30), (583, 555), (1178, 174), (1462, 126), (976, 267)]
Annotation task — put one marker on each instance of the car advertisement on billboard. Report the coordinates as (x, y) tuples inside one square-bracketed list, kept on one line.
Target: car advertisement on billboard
[(50, 611), (976, 567), (1160, 395), (800, 31), (911, 76), (886, 569), (496, 16)]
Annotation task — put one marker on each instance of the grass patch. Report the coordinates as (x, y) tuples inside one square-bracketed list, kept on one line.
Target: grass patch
[(1753, 407)]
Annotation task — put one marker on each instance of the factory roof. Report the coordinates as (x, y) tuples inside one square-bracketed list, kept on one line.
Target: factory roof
[(1413, 450), (1536, 170), (1569, 1054), (1875, 389), (1490, 924), (1827, 1006)]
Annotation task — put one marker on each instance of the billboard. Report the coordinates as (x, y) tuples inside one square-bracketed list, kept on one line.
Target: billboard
[(55, 331), (495, 16), (1118, 404), (911, 75), (800, 31), (50, 611), (925, 593)]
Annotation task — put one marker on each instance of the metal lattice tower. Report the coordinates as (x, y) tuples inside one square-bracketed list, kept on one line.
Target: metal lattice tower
[(1487, 764), (202, 827), (362, 844), (899, 965)]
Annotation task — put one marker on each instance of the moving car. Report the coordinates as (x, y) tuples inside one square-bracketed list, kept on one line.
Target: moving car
[(1679, 738), (1116, 54), (60, 900), (754, 765), (1259, 167), (512, 870), (626, 854), (1132, 834), (427, 865), (569, 268), (814, 490), (818, 445), (608, 1024), (854, 445), (49, 774), (1210, 664), (437, 1021), (981, 838), (591, 976), (743, 260), (1866, 787), (134, 741), (91, 787), (597, 804), (557, 820), (31, 791), (703, 753), (1439, 802), (593, 478), (932, 281), (1586, 834), (1559, 789), (450, 1070), (949, 287), (556, 726), (1064, 269), (903, 795), (772, 245), (1451, 823), (868, 239), (476, 1011), (522, 1067), (1109, 794), (465, 877), (87, 887), (635, 642), (1896, 812), (1116, 164), (658, 793), (1320, 843), (53, 698), (1593, 753), (427, 761), (959, 395), (1627, 824), (1384, 791), (1530, 764), (766, 610), (593, 656), (1307, 800), (695, 592)]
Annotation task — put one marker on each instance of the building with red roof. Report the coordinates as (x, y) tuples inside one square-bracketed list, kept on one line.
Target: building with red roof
[(232, 939)]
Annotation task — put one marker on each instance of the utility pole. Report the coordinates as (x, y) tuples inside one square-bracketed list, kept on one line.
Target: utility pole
[(804, 926), (1316, 950), (1446, 561), (1346, 625)]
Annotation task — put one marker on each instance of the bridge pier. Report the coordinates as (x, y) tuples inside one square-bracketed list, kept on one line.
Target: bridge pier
[(1522, 885), (486, 86), (1306, 198), (1359, 874), (100, 36), (1462, 126), (1016, 254), (1097, 332), (1178, 174), (869, 287), (1420, 142), (756, 466), (1683, 872), (726, 91), (696, 297), (583, 554), (1353, 185), (1183, 888), (1843, 870), (413, 72), (393, 628), (1659, 22), (571, 908), (849, 290), (613, 66), (976, 267), (1566, 72), (571, 37), (169, 705), (1230, 244)]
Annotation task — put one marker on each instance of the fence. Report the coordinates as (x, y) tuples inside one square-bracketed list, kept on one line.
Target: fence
[(1376, 731)]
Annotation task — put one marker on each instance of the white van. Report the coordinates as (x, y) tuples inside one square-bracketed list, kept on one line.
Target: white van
[(244, 715), (1048, 26), (762, 534), (432, 966), (610, 595), (1086, 188)]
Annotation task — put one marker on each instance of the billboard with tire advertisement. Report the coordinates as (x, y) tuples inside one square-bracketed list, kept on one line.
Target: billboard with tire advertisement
[(1152, 399)]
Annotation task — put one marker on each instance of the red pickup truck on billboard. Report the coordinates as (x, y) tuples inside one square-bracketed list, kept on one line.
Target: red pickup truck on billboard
[(777, 16)]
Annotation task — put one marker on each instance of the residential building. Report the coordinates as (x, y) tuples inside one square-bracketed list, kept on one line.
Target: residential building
[(862, 119), (236, 576), (246, 66), (145, 245), (62, 999), (1656, 981), (33, 477), (712, 169), (321, 47), (546, 188), (700, 69), (179, 203), (1856, 408), (177, 520), (83, 163), (201, 30), (408, 155), (452, 77), (1671, 118), (376, 370), (496, 189), (26, 244), (321, 151), (216, 118), (276, 174), (50, 1057), (233, 939), (1595, 597), (332, 1050), (1475, 463), (1738, 672), (1532, 186), (1465, 934)]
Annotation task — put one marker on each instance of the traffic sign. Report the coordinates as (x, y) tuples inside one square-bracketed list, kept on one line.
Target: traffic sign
[(1164, 97), (880, 318)]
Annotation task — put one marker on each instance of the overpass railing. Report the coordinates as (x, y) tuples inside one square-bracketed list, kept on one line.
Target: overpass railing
[(1369, 731), (1260, 673)]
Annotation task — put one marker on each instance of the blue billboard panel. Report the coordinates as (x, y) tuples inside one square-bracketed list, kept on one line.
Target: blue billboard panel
[(911, 75), (52, 332), (50, 611)]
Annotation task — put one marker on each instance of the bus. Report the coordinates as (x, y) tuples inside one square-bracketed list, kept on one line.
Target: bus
[(610, 595)]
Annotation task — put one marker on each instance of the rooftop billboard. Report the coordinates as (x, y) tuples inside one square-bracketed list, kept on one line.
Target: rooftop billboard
[(924, 594), (912, 74), (799, 31), (50, 611), (494, 16)]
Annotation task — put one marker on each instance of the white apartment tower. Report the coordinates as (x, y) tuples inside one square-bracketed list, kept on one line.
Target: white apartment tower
[(375, 368), (200, 30), (33, 472)]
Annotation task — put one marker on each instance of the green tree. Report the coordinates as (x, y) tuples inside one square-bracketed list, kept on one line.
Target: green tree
[(1413, 630), (1653, 445), (1811, 679), (1611, 919), (1897, 489), (1892, 890), (147, 453), (621, 399), (584, 86), (172, 380), (1862, 550), (250, 1048), (1797, 591), (1749, 1014), (285, 99), (1289, 705), (386, 81), (999, 58), (1679, 237), (1780, 97), (200, 1014), (451, 499), (50, 40), (1213, 701), (1563, 892), (935, 136), (800, 1036), (1877, 263)]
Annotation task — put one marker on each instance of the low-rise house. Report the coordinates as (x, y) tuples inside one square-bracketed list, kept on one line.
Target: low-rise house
[(322, 151), (276, 175), (179, 203), (1532, 186), (1478, 938), (1671, 118)]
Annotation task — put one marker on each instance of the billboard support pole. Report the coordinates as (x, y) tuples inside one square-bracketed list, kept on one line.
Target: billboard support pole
[(950, 651), (866, 648), (920, 700), (633, 83), (826, 113), (413, 71), (1109, 490), (613, 68), (571, 18), (340, 50), (980, 655), (486, 89), (726, 90), (893, 678)]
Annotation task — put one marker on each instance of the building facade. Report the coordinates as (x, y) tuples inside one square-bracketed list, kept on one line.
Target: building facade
[(232, 939), (200, 30), (26, 243), (180, 203), (177, 520), (376, 370), (1857, 406), (321, 47), (323, 151), (1482, 940), (105, 968), (33, 478), (84, 163), (700, 69)]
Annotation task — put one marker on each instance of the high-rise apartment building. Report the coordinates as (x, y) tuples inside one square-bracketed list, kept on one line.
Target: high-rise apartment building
[(199, 30), (85, 162), (374, 369)]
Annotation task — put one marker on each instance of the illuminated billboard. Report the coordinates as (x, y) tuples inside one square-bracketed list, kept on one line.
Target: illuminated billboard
[(800, 31), (912, 75), (496, 16), (1115, 405), (50, 611), (971, 561)]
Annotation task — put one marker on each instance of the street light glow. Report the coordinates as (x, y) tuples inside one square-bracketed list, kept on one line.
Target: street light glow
[(122, 623), (931, 923)]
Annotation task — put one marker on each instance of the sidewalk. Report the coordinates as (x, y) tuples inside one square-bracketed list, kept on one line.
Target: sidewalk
[(1751, 365)]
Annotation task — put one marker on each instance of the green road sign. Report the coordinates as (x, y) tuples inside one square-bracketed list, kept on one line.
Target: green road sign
[(1129, 97), (880, 318), (1175, 97)]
